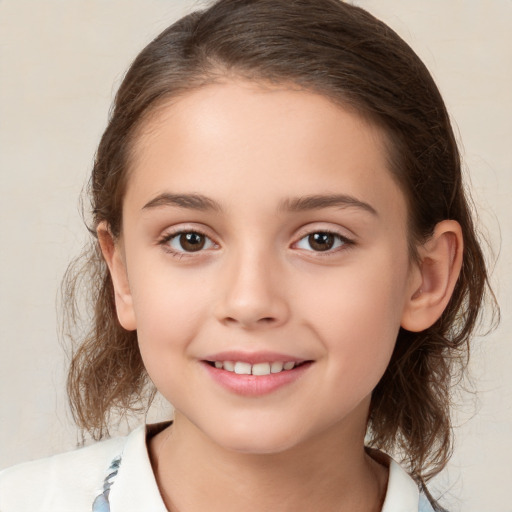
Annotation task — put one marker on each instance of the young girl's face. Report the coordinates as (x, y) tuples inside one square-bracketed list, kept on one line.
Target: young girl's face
[(261, 226)]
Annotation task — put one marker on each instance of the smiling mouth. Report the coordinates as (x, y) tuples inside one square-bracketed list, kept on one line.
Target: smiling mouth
[(257, 369)]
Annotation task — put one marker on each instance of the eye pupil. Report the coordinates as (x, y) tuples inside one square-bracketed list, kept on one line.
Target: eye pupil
[(321, 241), (192, 241)]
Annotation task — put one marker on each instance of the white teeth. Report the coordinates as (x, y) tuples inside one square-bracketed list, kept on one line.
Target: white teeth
[(261, 369), (276, 367), (229, 366), (242, 368)]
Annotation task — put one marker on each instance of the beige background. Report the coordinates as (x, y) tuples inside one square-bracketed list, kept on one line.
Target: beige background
[(60, 63)]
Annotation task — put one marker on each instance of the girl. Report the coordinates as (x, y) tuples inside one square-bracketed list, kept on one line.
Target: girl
[(283, 249)]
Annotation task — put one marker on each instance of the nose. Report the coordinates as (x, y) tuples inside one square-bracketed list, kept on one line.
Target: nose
[(253, 292)]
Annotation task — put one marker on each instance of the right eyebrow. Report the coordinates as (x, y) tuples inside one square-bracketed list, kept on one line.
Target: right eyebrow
[(319, 201), (189, 201)]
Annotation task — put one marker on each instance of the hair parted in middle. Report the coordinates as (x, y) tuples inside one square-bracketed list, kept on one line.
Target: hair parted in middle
[(345, 54)]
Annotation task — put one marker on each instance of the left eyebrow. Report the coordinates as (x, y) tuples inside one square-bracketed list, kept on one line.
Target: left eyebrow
[(316, 202), (188, 201)]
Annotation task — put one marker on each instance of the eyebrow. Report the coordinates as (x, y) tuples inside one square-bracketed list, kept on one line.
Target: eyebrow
[(189, 201), (298, 204), (318, 201)]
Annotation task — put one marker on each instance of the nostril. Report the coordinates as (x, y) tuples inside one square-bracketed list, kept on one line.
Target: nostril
[(262, 321)]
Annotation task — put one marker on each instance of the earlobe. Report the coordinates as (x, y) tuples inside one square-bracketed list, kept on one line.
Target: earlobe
[(436, 276), (112, 252)]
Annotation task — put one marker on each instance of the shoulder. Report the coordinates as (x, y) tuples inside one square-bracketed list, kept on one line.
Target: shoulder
[(67, 481)]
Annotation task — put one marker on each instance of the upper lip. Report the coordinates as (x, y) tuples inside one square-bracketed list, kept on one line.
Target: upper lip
[(253, 357)]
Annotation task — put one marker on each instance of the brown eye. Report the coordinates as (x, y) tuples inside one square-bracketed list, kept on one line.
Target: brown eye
[(323, 241), (188, 241), (191, 242)]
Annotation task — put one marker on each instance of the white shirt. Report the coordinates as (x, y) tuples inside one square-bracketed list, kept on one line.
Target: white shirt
[(71, 482)]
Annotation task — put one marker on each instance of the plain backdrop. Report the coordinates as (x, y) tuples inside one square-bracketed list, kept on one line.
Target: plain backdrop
[(60, 64)]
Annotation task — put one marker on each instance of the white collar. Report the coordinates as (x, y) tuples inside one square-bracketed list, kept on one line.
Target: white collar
[(135, 486), (402, 493)]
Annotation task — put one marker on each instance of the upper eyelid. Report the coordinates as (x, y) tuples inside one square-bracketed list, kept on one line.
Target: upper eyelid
[(329, 232), (171, 231), (341, 232)]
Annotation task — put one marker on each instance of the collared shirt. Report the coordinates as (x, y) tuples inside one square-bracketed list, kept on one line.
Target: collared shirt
[(116, 476)]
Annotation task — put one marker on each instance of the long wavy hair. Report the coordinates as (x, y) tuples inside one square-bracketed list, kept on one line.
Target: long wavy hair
[(350, 57)]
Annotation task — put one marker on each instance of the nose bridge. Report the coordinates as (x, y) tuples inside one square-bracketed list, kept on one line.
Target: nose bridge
[(253, 288)]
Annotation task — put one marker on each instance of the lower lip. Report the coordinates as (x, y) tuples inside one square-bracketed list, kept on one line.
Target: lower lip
[(252, 385)]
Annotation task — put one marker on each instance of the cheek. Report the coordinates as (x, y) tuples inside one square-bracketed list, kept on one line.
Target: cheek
[(357, 316), (165, 329), (168, 311)]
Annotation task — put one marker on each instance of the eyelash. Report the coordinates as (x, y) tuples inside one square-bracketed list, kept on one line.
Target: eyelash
[(345, 242)]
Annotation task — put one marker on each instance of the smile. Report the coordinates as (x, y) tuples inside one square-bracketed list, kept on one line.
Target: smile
[(259, 369), (257, 377)]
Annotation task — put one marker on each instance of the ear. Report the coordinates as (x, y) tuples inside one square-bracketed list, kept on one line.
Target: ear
[(434, 277), (113, 254)]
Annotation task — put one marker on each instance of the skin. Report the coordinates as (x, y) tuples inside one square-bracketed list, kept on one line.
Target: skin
[(259, 285)]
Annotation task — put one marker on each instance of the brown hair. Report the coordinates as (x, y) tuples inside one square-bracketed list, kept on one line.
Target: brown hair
[(344, 53)]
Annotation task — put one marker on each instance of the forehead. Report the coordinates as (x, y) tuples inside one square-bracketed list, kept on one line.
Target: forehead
[(236, 137)]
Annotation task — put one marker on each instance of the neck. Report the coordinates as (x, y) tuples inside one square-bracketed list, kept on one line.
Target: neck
[(330, 472)]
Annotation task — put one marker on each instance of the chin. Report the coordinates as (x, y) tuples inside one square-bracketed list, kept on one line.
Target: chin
[(257, 440)]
